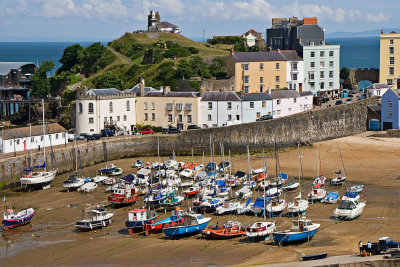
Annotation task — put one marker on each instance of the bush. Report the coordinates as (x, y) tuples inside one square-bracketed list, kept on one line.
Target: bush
[(193, 50), (157, 129), (69, 95)]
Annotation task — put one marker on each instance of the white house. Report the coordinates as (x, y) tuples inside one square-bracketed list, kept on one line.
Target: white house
[(288, 102), (377, 89), (26, 138), (294, 70), (219, 109), (97, 109), (256, 105)]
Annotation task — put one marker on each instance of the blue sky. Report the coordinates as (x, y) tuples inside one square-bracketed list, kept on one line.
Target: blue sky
[(92, 20)]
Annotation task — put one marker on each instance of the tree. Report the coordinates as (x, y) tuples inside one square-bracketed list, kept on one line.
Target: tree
[(70, 57), (89, 56), (107, 80), (184, 70), (344, 73), (40, 85)]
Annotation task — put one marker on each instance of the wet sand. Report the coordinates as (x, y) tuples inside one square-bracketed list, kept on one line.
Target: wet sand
[(51, 240)]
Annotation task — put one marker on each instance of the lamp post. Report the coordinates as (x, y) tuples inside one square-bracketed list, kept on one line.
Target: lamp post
[(2, 140)]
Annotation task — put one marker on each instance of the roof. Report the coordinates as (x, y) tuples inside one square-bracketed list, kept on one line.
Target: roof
[(291, 55), (377, 86), (107, 91), (305, 93), (280, 94), (137, 210), (166, 24), (258, 56), (37, 130), (136, 89), (6, 67), (256, 97), (220, 96), (173, 94), (395, 91), (375, 108)]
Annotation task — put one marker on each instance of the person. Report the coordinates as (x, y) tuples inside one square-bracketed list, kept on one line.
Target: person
[(369, 245), (217, 226), (360, 244)]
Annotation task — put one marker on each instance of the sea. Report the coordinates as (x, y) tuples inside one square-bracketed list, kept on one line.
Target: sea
[(355, 52)]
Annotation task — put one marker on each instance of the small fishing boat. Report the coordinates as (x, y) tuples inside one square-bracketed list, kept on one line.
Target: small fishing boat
[(100, 218), (317, 194), (108, 169), (351, 195), (298, 206), (73, 182), (349, 209), (99, 179), (125, 194), (211, 204), (138, 164), (355, 188), (302, 230), (228, 208), (175, 219), (290, 186), (193, 224), (116, 172), (11, 220), (187, 173), (191, 191), (87, 187), (231, 229), (137, 218), (172, 200), (244, 192), (314, 257), (260, 230), (276, 206), (331, 198)]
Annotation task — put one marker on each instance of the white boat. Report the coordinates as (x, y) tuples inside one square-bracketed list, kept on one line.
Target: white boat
[(351, 195), (170, 164), (87, 187), (171, 182), (339, 180), (249, 184), (298, 206), (244, 192), (228, 208), (260, 230), (317, 194), (186, 184), (187, 173), (273, 192), (144, 172), (349, 209), (257, 171), (109, 181), (73, 182), (211, 204), (223, 192), (100, 218), (116, 172), (290, 186), (99, 179), (262, 185), (276, 206), (199, 167), (155, 165), (355, 188)]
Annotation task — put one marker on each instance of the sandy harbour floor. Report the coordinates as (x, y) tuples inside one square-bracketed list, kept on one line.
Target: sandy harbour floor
[(51, 240)]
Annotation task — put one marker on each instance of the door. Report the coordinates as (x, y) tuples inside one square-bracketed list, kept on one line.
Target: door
[(301, 226), (387, 125), (300, 87)]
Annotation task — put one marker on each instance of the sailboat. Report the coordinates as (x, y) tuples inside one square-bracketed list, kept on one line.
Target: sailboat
[(38, 176), (73, 181), (339, 179), (298, 205), (318, 193)]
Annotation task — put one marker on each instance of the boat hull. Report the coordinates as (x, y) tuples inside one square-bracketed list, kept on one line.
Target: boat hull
[(288, 237), (93, 224), (138, 225), (38, 182), (184, 230), (9, 224), (116, 200), (314, 257), (159, 226)]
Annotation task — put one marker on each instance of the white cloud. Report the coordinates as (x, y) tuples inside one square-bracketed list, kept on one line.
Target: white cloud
[(379, 17)]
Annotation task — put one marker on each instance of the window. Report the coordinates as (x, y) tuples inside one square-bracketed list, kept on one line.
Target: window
[(261, 88), (391, 50), (331, 74), (229, 117), (245, 66), (321, 53), (56, 136), (179, 107), (312, 64), (124, 117), (105, 119), (294, 77), (391, 61), (80, 108), (330, 63), (389, 114), (261, 66), (312, 85), (278, 102), (246, 89), (277, 86), (146, 117), (331, 53), (209, 105), (277, 66), (251, 105), (322, 74), (311, 75), (17, 141), (391, 42), (118, 118), (263, 104), (169, 117), (258, 115), (294, 66), (278, 112), (390, 104), (145, 105), (92, 130), (330, 85), (294, 100), (91, 120), (229, 105), (90, 108), (322, 64), (189, 118), (188, 107), (128, 106), (322, 86), (261, 79), (63, 135), (246, 79), (290, 109), (111, 107), (237, 117), (209, 117), (389, 82), (312, 54), (277, 79), (170, 106), (391, 71), (153, 116), (180, 118)]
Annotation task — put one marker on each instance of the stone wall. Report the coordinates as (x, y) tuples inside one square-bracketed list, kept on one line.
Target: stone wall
[(307, 127), (357, 75)]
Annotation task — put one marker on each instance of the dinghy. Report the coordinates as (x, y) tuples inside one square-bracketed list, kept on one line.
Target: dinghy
[(314, 257), (260, 230), (100, 218), (231, 229), (73, 182), (88, 187), (116, 172), (175, 219), (11, 220), (290, 186), (355, 188)]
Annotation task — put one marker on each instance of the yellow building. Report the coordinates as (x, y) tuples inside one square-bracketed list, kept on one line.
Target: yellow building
[(256, 72), (178, 109), (389, 72)]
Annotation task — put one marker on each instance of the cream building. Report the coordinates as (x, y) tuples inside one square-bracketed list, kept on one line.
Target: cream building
[(178, 109), (389, 72)]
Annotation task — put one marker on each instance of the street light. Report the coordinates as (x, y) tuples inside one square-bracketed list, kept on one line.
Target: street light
[(2, 139)]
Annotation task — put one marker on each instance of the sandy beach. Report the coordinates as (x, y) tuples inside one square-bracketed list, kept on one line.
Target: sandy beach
[(51, 240)]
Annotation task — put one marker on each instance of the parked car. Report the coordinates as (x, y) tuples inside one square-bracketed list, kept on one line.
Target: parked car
[(71, 137), (147, 131), (107, 133), (82, 136), (170, 130), (325, 99), (349, 100), (264, 118), (93, 137), (193, 127), (338, 102)]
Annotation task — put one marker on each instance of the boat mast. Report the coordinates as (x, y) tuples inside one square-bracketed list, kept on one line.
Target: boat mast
[(44, 136), (30, 145), (344, 169), (158, 153), (265, 174), (320, 163), (230, 169), (76, 157), (248, 163), (300, 168)]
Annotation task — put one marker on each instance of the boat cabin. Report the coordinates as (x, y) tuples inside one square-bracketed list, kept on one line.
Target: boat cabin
[(299, 225), (348, 204), (137, 215)]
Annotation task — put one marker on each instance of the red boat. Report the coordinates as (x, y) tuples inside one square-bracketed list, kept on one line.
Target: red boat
[(259, 177), (229, 230), (123, 195), (191, 191), (174, 220)]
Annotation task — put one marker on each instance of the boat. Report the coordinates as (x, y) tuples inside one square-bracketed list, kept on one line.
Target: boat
[(273, 192), (223, 166), (319, 181), (155, 165), (107, 170), (109, 181), (314, 256), (100, 218), (175, 219), (171, 200), (339, 180), (317, 194), (170, 164), (193, 224), (231, 229), (38, 176), (116, 172), (212, 166), (355, 188), (349, 209), (99, 179), (260, 230), (211, 204), (137, 218), (290, 186), (154, 197), (228, 208), (276, 206), (259, 205), (187, 173), (73, 182), (87, 187), (138, 164), (186, 184), (351, 195), (191, 191), (331, 198), (11, 220), (302, 230), (125, 194), (249, 184)]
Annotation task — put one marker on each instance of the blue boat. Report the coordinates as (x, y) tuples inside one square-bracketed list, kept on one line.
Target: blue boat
[(302, 230), (212, 166), (154, 198), (193, 224), (11, 220), (260, 204), (137, 218), (331, 197), (108, 169), (314, 257), (175, 219)]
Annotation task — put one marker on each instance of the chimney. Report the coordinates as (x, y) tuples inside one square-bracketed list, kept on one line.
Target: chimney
[(141, 87), (382, 31), (269, 91), (166, 89)]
